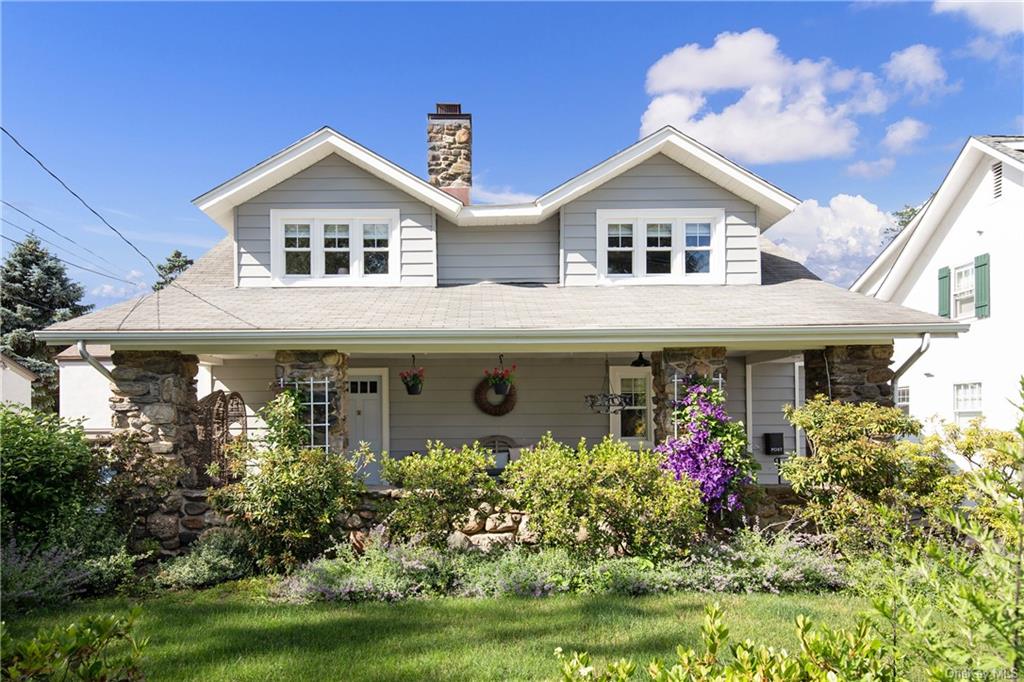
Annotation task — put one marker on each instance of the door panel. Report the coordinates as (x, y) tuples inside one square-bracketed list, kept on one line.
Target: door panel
[(366, 418)]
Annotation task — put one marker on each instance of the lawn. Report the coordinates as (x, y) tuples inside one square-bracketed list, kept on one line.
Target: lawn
[(228, 634)]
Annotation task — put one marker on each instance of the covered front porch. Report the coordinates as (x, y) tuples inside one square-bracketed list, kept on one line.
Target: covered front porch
[(359, 396)]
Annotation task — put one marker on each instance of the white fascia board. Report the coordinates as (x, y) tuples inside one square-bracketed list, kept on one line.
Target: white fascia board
[(453, 340), (219, 202)]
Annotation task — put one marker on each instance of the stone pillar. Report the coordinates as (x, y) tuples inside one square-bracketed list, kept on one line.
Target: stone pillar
[(154, 396), (708, 361), (853, 373), (300, 365)]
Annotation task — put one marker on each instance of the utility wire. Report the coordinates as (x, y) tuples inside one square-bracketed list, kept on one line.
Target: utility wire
[(118, 232), (76, 265), (54, 244), (55, 231)]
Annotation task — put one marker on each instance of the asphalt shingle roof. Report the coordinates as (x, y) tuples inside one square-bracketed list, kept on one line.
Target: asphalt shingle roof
[(997, 143), (789, 296)]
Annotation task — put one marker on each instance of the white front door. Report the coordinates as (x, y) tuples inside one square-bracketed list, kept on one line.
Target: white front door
[(366, 418)]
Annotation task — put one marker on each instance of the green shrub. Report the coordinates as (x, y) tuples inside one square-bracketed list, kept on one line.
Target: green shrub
[(219, 555), (48, 475), (287, 500), (44, 576), (825, 654), (135, 481), (607, 498), (861, 481), (93, 648), (522, 572), (441, 486)]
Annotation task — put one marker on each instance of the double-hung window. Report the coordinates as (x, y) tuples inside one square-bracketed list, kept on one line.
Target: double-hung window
[(334, 247), (634, 423), (963, 291), (681, 245), (966, 402)]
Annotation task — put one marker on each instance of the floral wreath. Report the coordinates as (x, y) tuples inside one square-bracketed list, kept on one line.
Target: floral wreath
[(507, 404)]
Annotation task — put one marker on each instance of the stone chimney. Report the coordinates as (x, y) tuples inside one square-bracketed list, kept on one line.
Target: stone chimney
[(450, 150)]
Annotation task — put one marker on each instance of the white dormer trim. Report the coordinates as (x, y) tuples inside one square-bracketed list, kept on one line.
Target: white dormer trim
[(772, 203)]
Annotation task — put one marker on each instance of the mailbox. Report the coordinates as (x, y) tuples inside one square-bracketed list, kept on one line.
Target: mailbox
[(774, 445)]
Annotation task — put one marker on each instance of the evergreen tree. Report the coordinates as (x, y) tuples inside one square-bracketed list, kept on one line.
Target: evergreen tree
[(35, 292), (169, 270)]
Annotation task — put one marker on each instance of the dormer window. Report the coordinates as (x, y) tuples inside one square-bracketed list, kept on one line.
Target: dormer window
[(333, 247), (661, 245)]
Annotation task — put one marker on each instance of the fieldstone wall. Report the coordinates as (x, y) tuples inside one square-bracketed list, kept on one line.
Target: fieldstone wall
[(487, 526), (299, 365), (154, 396), (450, 155), (853, 373), (707, 361)]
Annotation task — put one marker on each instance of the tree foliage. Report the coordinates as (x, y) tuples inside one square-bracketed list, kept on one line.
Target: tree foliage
[(903, 217), (169, 270), (35, 292)]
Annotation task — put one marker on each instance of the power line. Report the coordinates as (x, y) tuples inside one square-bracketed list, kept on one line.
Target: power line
[(118, 232), (76, 265), (53, 244), (55, 231)]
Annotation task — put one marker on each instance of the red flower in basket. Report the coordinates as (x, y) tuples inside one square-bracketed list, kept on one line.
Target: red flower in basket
[(413, 380), (500, 378)]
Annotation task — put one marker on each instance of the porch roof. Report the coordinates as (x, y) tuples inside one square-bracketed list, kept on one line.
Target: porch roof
[(790, 304)]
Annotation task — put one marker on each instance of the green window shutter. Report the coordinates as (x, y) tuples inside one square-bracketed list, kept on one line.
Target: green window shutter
[(944, 292), (982, 290)]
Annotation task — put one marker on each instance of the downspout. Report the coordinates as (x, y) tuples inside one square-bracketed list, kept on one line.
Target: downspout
[(926, 342), (93, 362)]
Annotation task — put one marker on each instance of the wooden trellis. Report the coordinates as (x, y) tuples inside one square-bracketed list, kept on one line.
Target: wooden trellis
[(220, 418)]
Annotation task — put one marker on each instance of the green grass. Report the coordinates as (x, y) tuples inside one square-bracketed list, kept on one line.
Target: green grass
[(229, 634)]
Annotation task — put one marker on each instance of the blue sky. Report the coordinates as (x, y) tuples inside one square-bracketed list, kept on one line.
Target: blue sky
[(855, 108)]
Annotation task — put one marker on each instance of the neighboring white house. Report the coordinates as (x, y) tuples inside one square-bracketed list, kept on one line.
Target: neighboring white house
[(962, 257), (339, 270), (84, 392), (15, 382)]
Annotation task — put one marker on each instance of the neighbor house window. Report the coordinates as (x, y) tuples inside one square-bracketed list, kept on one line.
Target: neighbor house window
[(659, 249), (698, 247), (903, 399), (963, 291), (620, 249), (634, 424), (298, 252), (966, 402), (681, 245), (334, 247)]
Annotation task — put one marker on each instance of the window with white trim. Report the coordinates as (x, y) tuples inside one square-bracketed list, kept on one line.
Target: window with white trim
[(634, 424), (680, 245), (334, 247), (966, 402), (903, 399), (963, 292)]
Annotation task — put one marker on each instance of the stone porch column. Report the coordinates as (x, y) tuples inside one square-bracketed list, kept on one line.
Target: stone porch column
[(707, 361), (299, 365), (853, 373), (154, 396)]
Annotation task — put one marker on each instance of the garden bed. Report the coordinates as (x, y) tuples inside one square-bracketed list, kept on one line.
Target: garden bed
[(234, 633)]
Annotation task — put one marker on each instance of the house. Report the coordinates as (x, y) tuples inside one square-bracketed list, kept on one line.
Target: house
[(340, 270), (960, 259), (15, 382), (85, 392)]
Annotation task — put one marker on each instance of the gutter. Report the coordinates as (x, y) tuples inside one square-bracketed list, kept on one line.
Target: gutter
[(83, 350), (926, 343)]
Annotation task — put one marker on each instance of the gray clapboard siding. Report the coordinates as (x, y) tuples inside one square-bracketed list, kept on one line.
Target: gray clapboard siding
[(773, 388), (659, 182), (334, 182), (501, 253), (253, 379)]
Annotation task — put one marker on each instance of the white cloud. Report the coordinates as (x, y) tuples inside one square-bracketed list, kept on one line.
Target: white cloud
[(999, 18), (788, 110), (871, 169), (836, 241), (918, 70), (499, 195), (118, 291), (903, 133)]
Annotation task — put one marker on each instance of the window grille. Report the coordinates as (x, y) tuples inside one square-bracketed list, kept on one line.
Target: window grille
[(316, 402), (903, 398)]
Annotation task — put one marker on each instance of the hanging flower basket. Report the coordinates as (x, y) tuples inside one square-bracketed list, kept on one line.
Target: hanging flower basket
[(413, 380), (500, 379)]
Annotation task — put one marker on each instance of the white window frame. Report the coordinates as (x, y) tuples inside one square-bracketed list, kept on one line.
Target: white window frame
[(317, 219), (956, 295), (337, 249), (901, 398), (677, 217), (963, 413), (615, 376)]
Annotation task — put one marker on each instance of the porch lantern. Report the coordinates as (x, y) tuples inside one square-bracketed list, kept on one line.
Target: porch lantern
[(640, 361)]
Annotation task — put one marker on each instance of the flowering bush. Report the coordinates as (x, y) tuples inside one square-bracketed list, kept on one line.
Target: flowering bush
[(710, 448), (501, 375)]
